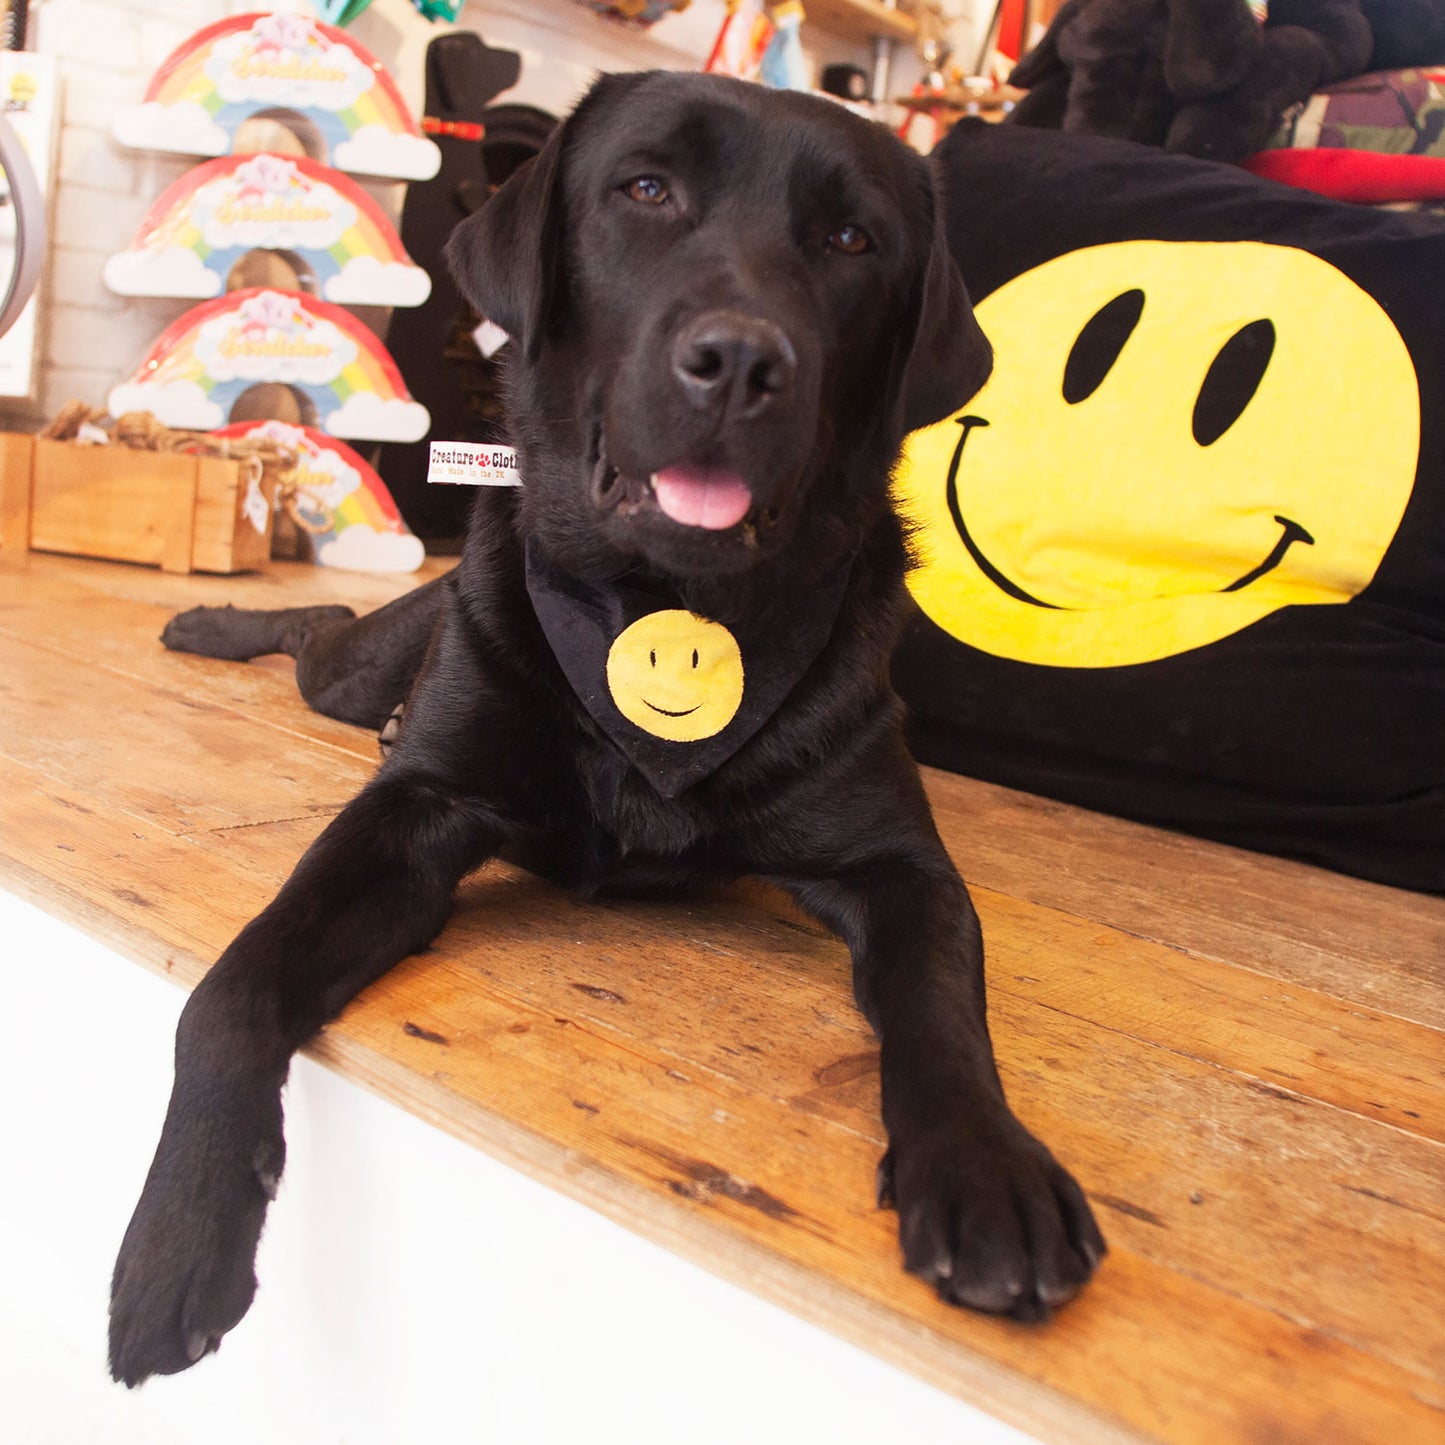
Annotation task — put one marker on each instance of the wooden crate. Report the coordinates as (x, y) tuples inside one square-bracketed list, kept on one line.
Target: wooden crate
[(181, 513)]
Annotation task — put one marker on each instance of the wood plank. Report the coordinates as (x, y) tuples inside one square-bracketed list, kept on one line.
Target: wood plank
[(861, 20), (58, 614), (139, 887), (1254, 1106), (157, 755), (283, 584), (1253, 1010), (1306, 1044), (1130, 1349), (752, 1187), (1277, 1036), (114, 502), (17, 458), (226, 540), (694, 986), (1359, 941)]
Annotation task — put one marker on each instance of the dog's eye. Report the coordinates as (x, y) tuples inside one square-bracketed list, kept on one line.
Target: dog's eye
[(851, 240), (648, 190)]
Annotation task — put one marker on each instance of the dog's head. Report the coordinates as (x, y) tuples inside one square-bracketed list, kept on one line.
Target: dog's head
[(728, 306)]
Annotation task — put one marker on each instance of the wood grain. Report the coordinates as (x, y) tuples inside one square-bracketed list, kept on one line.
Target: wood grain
[(1363, 941), (861, 20), (1254, 1107), (17, 455), (179, 512)]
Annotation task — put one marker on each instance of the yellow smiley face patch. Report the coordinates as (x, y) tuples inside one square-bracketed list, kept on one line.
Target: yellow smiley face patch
[(1178, 439), (676, 675)]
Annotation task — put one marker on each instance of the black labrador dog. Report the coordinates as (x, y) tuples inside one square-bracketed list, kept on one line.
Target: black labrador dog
[(727, 308)]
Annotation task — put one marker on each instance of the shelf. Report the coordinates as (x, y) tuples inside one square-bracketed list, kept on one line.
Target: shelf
[(860, 20)]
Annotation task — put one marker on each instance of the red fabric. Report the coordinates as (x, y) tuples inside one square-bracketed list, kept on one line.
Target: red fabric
[(1011, 40), (461, 129), (1349, 175)]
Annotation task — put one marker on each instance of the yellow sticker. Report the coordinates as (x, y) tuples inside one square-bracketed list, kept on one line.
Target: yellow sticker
[(1178, 439), (676, 675)]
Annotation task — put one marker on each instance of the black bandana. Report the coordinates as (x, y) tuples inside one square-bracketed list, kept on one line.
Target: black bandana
[(679, 694)]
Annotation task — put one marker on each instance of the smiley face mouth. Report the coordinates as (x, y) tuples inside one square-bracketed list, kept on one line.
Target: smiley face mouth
[(1291, 533), (686, 712)]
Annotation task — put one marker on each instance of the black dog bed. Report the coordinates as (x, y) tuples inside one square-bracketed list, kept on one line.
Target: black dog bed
[(1184, 555)]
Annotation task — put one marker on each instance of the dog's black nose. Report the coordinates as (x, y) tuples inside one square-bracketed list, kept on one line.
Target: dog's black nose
[(733, 362)]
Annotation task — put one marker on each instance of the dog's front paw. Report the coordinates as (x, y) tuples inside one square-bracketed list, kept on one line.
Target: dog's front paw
[(208, 631), (186, 1270), (990, 1219)]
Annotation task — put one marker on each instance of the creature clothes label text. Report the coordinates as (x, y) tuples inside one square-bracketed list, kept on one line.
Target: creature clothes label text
[(471, 464)]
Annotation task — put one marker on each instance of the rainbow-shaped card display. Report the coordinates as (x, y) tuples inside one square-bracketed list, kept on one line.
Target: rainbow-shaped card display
[(218, 212), (344, 506), (290, 67), (342, 377)]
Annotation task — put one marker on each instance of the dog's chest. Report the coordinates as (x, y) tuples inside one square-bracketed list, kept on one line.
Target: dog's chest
[(629, 817)]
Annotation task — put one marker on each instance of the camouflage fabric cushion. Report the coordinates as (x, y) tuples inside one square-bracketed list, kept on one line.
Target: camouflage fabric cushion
[(1391, 112), (1399, 114)]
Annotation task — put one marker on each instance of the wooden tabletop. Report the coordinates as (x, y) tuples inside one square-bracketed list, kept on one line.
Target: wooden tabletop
[(1240, 1058)]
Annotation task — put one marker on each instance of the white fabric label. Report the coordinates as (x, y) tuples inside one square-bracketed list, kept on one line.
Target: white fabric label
[(472, 464), (490, 338)]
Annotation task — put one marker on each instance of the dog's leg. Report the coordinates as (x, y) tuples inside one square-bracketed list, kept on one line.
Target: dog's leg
[(355, 669), (376, 886), (985, 1212), (237, 634)]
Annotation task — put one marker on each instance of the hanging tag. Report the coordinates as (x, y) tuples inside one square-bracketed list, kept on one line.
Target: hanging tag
[(473, 464)]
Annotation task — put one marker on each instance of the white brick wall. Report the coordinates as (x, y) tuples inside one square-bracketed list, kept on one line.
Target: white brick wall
[(107, 51)]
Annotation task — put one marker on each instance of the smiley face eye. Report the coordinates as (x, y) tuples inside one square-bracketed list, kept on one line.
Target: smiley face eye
[(1232, 380), (850, 240), (647, 190), (1099, 344)]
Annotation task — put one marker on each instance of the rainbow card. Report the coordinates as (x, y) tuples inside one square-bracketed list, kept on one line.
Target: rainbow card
[(327, 227), (342, 378), (339, 501), (330, 90)]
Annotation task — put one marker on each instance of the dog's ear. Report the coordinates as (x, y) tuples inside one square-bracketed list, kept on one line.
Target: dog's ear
[(505, 256), (950, 358)]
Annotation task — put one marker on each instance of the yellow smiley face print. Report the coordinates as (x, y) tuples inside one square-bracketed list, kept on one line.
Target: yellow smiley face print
[(1178, 439), (676, 675)]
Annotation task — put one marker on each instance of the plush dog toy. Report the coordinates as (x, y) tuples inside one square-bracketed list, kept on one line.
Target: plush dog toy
[(1204, 77)]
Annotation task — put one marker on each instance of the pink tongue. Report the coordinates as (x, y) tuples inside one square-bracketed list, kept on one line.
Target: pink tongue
[(697, 497)]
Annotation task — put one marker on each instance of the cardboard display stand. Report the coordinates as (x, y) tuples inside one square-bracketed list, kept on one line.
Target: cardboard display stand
[(334, 94), (262, 350), (333, 367), (333, 236)]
